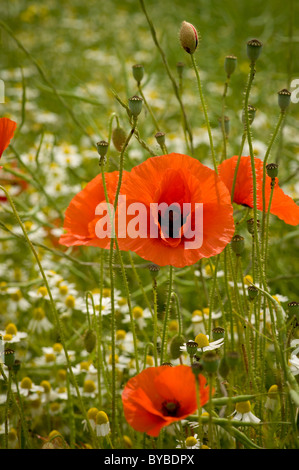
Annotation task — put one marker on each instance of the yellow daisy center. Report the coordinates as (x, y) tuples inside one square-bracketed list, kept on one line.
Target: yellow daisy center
[(42, 291), (7, 337), (57, 347), (17, 295), (190, 441), (120, 334), (70, 301), (11, 329), (149, 361), (39, 314), (84, 365), (202, 340), (55, 406), (63, 289), (50, 357), (243, 407), (26, 383), (248, 279), (272, 392), (46, 386), (102, 418), (137, 312), (89, 386), (92, 413)]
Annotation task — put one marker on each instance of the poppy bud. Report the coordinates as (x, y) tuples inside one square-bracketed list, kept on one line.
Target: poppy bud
[(237, 244), (135, 105), (102, 148), (284, 98), (118, 138), (254, 48), (89, 341), (223, 367), (230, 63), (272, 170), (250, 226), (188, 37), (138, 72), (175, 346), (210, 362)]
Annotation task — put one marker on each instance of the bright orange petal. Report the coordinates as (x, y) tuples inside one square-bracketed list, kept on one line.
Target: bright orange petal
[(7, 129)]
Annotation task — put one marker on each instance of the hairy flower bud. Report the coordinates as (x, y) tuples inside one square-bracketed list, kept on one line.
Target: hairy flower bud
[(188, 37), (118, 138)]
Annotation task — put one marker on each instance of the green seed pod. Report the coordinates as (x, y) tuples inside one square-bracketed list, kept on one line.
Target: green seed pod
[(210, 362), (284, 99), (160, 138), (254, 48), (9, 357), (175, 346), (218, 333), (252, 292), (90, 340), (135, 105), (191, 348), (237, 244), (118, 138), (272, 170), (293, 308), (102, 148), (230, 64), (138, 72), (251, 114), (250, 226), (154, 269)]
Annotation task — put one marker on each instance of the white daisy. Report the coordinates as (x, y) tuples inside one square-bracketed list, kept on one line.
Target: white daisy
[(243, 413)]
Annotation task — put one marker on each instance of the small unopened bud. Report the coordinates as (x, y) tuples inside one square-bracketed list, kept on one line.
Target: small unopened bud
[(272, 170), (138, 72), (118, 138), (188, 37), (230, 63), (252, 292), (90, 341), (210, 362), (237, 244), (102, 148), (284, 98), (254, 48), (175, 346), (135, 105)]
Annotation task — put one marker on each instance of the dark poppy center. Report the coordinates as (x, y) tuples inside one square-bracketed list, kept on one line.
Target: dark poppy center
[(171, 222), (170, 408)]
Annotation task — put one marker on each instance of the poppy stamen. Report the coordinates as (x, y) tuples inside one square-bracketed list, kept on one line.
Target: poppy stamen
[(170, 408)]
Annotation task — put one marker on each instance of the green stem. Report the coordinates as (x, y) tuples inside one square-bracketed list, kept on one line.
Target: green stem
[(163, 346)]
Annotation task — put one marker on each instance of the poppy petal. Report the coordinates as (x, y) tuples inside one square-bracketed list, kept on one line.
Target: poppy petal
[(7, 130)]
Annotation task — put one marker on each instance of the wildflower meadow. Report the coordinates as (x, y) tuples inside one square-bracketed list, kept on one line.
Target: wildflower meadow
[(149, 213)]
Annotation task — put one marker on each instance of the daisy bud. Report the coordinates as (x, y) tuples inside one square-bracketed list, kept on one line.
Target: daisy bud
[(218, 333), (118, 138), (191, 348), (160, 138), (233, 359), (175, 346), (230, 63), (102, 148), (89, 341), (188, 37), (135, 105), (252, 292), (9, 357), (273, 391), (237, 244), (138, 72), (254, 48), (272, 170), (284, 98), (210, 362)]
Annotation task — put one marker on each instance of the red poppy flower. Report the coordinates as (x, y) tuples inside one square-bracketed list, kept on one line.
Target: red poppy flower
[(282, 205), (159, 396), (180, 182), (80, 217), (7, 129)]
